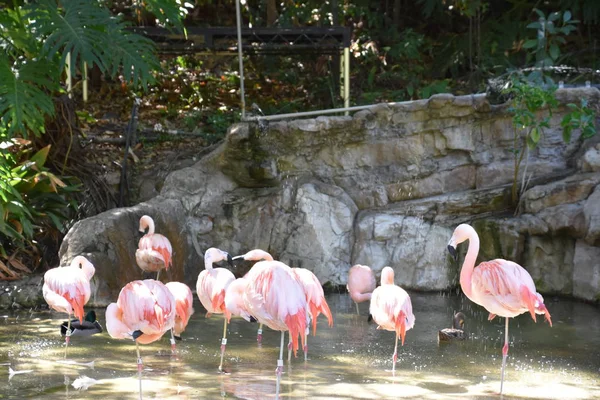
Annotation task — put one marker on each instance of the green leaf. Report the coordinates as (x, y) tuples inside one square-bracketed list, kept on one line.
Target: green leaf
[(541, 14), (168, 12), (567, 133), (535, 135), (534, 25), (40, 157), (134, 53), (554, 16), (554, 51), (24, 98), (566, 16), (78, 28), (531, 43)]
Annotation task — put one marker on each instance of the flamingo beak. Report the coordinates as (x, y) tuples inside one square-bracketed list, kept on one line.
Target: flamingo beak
[(230, 260), (452, 251)]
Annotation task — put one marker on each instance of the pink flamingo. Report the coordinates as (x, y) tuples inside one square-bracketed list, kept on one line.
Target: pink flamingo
[(276, 298), (256, 255), (315, 298), (154, 250), (67, 289), (391, 309), (211, 288), (502, 287), (234, 299), (184, 300), (361, 283), (144, 311)]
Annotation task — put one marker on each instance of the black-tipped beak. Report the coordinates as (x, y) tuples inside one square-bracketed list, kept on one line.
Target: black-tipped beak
[(370, 318), (230, 260), (252, 319), (453, 252), (177, 337), (136, 334)]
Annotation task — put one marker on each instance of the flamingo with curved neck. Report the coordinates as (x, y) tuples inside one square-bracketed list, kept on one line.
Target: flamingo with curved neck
[(502, 287), (154, 250)]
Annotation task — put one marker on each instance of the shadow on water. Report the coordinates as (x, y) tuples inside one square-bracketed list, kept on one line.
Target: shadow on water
[(350, 361)]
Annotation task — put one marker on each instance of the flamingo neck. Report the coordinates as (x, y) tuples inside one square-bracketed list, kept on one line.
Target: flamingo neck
[(208, 263), (150, 226), (466, 272)]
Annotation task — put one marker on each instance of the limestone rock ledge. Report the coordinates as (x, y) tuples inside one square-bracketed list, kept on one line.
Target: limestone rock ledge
[(385, 186)]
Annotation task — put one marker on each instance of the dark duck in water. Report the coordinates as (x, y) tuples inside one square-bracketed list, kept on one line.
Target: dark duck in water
[(89, 326), (456, 332)]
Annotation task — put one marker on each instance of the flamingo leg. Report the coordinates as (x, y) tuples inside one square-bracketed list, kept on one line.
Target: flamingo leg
[(504, 354), (259, 334), (395, 356), (290, 348), (357, 312), (306, 334), (173, 347), (140, 366), (279, 369), (68, 335), (157, 274), (223, 342)]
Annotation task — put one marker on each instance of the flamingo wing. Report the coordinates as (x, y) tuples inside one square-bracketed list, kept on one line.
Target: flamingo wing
[(361, 283), (501, 287), (183, 305), (72, 284), (391, 309), (315, 297), (157, 246)]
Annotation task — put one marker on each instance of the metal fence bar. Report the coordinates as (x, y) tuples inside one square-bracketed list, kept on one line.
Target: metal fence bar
[(238, 18), (317, 112)]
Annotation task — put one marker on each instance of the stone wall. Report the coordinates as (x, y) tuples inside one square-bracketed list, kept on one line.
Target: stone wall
[(385, 186)]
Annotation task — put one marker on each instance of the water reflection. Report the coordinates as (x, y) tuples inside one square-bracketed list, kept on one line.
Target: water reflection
[(350, 361)]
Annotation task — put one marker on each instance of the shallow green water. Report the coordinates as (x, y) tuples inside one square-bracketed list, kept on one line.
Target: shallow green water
[(352, 360)]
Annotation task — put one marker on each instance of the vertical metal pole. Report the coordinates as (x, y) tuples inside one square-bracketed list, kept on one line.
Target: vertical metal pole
[(238, 17), (342, 77), (346, 79), (69, 79), (85, 82)]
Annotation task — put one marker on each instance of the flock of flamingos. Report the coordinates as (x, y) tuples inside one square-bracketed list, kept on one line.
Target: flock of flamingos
[(273, 294)]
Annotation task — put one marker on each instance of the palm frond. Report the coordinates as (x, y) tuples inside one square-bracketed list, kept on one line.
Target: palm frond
[(23, 104)]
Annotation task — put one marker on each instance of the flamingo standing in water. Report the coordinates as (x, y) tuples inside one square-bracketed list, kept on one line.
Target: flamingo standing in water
[(154, 250), (502, 287), (391, 309), (315, 298), (256, 255), (211, 288), (183, 309), (67, 289), (234, 299), (276, 298), (144, 311), (361, 283)]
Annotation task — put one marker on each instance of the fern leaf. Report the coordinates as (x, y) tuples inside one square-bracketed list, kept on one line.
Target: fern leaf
[(23, 104)]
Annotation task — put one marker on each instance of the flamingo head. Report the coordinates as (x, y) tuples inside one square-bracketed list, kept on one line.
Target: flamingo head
[(214, 255), (85, 265), (146, 222), (387, 276), (255, 255), (461, 233)]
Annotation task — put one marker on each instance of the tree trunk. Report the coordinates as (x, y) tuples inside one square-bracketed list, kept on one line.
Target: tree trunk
[(397, 7), (272, 14)]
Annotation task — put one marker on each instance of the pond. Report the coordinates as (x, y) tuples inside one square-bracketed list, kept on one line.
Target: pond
[(352, 360)]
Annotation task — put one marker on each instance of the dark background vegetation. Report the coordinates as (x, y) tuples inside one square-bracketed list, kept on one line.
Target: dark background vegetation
[(51, 170)]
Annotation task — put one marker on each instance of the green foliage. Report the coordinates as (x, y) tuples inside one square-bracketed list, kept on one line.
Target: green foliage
[(24, 98), (31, 197), (551, 33), (581, 117)]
